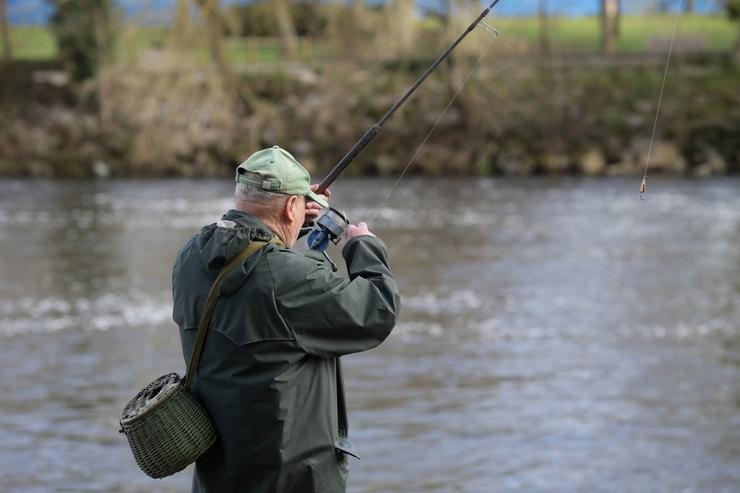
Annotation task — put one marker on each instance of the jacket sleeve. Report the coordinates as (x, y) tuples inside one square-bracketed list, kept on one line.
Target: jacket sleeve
[(331, 315)]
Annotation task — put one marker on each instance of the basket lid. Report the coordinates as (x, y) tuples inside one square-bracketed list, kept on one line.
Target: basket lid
[(150, 396)]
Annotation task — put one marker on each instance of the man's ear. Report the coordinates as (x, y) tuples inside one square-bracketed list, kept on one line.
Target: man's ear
[(288, 206)]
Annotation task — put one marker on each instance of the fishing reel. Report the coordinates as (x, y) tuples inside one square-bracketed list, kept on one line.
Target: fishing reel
[(330, 227)]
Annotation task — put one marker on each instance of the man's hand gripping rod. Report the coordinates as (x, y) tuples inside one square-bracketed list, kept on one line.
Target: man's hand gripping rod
[(332, 228)]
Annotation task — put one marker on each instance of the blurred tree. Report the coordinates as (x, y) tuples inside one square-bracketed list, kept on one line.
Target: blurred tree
[(733, 12), (103, 41), (5, 31), (211, 12), (254, 18), (544, 21), (399, 33), (617, 19), (181, 24), (444, 14), (310, 18), (359, 10), (84, 34), (286, 27), (352, 25), (609, 25)]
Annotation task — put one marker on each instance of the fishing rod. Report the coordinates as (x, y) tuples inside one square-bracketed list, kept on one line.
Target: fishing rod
[(375, 128), (332, 224)]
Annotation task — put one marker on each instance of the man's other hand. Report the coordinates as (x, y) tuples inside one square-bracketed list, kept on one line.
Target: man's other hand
[(360, 229), (312, 208)]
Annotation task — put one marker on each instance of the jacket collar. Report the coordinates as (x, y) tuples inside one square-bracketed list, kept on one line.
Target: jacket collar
[(220, 242), (260, 231)]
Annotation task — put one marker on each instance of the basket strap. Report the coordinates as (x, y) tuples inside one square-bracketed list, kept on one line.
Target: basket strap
[(205, 320)]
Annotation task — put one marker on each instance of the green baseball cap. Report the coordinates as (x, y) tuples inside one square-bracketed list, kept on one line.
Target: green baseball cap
[(276, 170)]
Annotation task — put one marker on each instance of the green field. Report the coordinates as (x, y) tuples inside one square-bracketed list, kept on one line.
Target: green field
[(717, 33), (32, 43), (638, 34)]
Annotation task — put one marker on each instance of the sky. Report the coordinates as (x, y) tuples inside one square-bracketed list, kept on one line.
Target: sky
[(39, 11)]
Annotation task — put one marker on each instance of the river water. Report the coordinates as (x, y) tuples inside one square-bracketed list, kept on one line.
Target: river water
[(557, 335)]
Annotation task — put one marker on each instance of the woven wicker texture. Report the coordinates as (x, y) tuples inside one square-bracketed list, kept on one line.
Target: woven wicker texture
[(166, 427)]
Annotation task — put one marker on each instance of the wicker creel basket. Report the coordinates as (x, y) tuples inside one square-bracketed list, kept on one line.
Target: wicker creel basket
[(166, 427)]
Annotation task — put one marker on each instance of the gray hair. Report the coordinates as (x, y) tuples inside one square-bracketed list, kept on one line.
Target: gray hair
[(254, 195)]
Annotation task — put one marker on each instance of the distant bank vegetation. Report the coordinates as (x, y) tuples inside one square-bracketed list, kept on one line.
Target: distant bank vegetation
[(90, 96), (639, 34)]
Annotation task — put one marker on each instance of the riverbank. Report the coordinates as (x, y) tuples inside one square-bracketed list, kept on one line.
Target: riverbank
[(577, 114)]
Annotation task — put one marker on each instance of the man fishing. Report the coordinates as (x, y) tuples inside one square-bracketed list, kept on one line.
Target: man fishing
[(270, 374)]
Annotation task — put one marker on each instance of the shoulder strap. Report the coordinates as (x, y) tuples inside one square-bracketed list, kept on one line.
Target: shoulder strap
[(205, 320)]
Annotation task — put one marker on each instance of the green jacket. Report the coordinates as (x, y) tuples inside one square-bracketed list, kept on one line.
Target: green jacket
[(269, 374)]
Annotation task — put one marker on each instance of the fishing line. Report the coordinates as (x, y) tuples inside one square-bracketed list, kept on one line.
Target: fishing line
[(643, 183), (330, 226), (495, 33)]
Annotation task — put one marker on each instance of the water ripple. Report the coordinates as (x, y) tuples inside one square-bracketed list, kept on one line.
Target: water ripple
[(108, 311)]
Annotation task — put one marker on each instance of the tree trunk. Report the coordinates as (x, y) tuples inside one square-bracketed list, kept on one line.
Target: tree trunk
[(618, 20), (609, 13), (288, 37), (689, 6), (210, 11), (5, 31), (181, 24), (399, 28), (101, 29), (544, 35), (211, 15)]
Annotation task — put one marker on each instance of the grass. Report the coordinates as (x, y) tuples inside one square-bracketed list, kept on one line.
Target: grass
[(583, 33), (269, 50), (132, 38), (32, 43), (717, 33)]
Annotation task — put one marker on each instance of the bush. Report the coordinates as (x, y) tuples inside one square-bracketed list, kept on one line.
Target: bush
[(82, 29), (733, 8), (258, 18)]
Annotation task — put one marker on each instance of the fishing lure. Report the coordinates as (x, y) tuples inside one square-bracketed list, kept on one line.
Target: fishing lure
[(643, 184)]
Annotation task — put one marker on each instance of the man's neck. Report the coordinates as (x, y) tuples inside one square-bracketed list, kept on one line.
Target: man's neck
[(277, 229)]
